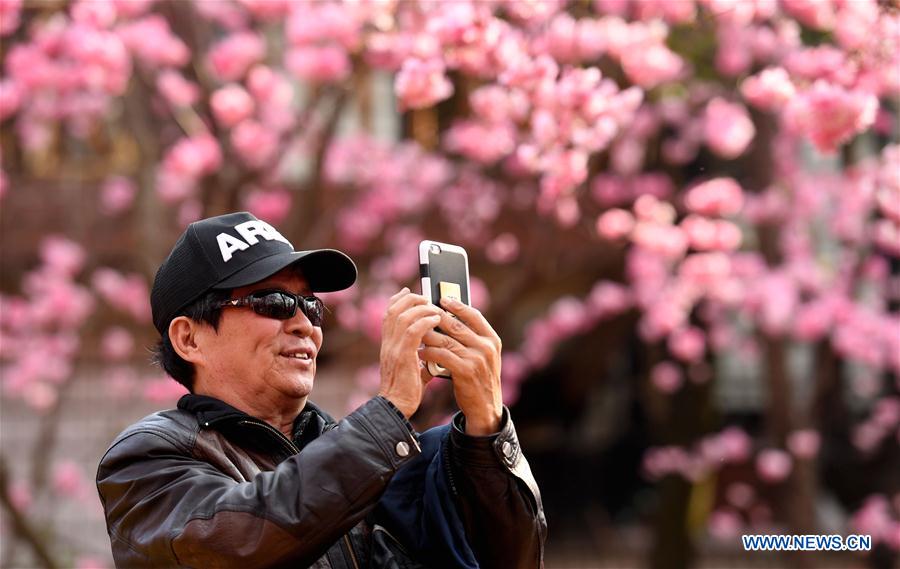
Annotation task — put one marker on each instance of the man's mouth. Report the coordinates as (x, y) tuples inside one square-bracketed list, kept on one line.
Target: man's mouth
[(302, 355)]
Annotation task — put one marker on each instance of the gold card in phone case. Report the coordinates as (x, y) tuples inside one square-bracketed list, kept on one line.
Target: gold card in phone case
[(451, 290)]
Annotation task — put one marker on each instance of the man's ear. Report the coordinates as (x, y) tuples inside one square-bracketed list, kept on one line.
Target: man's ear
[(183, 335)]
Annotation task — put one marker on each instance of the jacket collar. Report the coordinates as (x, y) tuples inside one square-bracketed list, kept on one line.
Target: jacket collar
[(215, 413)]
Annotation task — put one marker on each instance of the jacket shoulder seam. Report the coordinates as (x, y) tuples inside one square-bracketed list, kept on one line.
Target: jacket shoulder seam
[(148, 430)]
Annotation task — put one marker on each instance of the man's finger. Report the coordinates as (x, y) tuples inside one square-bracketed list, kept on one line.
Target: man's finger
[(397, 295), (456, 328), (412, 336), (403, 301), (444, 358), (436, 339), (471, 317), (416, 312)]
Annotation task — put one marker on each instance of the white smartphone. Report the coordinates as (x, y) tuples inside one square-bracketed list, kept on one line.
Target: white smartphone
[(444, 269)]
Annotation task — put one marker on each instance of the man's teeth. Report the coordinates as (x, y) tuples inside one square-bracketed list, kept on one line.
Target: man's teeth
[(299, 356)]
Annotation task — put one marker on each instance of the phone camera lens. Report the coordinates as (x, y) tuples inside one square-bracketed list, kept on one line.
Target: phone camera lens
[(435, 249)]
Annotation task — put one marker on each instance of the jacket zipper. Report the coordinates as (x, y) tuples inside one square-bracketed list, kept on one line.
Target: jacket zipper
[(291, 447), (350, 549), (448, 469)]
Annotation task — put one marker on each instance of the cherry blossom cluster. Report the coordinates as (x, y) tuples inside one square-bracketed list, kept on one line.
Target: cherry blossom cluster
[(40, 329)]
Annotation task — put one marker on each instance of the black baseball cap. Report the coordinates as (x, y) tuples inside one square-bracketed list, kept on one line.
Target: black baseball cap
[(235, 250)]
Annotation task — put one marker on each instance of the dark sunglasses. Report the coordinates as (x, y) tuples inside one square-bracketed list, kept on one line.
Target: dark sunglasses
[(281, 305)]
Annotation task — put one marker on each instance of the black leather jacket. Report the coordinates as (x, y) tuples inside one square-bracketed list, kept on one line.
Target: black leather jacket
[(206, 485)]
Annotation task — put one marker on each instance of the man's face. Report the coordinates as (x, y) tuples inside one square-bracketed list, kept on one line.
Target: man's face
[(256, 356)]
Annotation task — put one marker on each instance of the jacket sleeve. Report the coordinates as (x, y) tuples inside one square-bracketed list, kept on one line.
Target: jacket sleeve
[(497, 497), (165, 507)]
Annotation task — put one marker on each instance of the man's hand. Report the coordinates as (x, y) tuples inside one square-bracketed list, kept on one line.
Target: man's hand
[(403, 377), (470, 349)]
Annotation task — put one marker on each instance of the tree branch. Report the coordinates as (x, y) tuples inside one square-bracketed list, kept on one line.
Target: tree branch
[(20, 525)]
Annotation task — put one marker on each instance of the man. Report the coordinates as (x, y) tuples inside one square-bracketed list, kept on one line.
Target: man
[(246, 472)]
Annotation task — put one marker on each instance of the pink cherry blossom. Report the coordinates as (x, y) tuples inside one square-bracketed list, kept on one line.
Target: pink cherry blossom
[(649, 208), (267, 10), (666, 377), (651, 65), (480, 142), (735, 51), (272, 205), (497, 104), (96, 14), (62, 256), (20, 496), (816, 14), (40, 396), (804, 443), (10, 98), (125, 292), (274, 96), (560, 39), (480, 295), (725, 525), (88, 562), (231, 104), (177, 90), (117, 343), (735, 443), (56, 300), (826, 63), (886, 235), (728, 128), (812, 321), (854, 23), (687, 344), (740, 495), (228, 15), (610, 190), (256, 145), (173, 187), (770, 90), (888, 200), (372, 312), (665, 240), (656, 184), (189, 211), (773, 465), (193, 157), (874, 518), (319, 64), (9, 16), (315, 23), (716, 197), (230, 58), (162, 390), (608, 299), (422, 83), (627, 156), (68, 479), (701, 232), (503, 249), (615, 224), (132, 8), (830, 115), (117, 195), (152, 42)]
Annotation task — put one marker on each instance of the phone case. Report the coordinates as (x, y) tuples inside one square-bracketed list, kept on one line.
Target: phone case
[(444, 269)]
